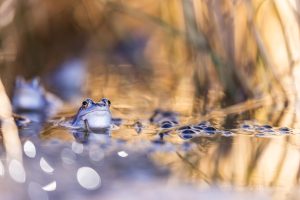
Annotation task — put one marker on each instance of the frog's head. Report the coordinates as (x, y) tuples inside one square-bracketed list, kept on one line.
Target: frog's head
[(94, 114), (88, 107)]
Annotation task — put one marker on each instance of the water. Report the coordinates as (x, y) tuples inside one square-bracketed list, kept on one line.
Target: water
[(188, 160), (248, 151)]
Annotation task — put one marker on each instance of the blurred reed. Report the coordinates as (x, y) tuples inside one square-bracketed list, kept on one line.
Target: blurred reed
[(9, 130), (193, 56)]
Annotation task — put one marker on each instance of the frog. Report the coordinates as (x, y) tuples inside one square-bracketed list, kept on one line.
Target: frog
[(93, 116), (32, 103), (29, 95)]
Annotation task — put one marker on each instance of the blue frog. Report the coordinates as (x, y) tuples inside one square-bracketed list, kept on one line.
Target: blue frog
[(29, 96), (93, 115), (32, 102)]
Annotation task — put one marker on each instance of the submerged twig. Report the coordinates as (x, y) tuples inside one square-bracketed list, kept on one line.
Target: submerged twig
[(239, 108), (201, 173)]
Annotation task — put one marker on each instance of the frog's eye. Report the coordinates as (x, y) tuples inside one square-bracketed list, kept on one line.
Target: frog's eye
[(106, 101), (85, 104)]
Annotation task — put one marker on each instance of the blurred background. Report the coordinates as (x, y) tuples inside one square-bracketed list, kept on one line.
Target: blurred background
[(191, 56), (207, 59)]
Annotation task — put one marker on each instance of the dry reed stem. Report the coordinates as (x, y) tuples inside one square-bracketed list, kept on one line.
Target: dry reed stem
[(9, 129)]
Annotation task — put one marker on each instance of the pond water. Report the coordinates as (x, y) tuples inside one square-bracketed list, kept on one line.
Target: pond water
[(225, 155)]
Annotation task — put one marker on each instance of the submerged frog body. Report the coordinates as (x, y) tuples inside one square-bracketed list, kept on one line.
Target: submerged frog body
[(93, 115)]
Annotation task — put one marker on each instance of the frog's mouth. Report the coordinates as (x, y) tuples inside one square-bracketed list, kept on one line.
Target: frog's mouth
[(96, 120), (98, 111)]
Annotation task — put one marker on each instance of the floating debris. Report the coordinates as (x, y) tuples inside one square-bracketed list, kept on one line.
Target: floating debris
[(284, 130), (210, 130), (188, 131), (186, 136), (246, 127), (138, 127), (227, 133), (267, 126), (166, 124), (184, 128)]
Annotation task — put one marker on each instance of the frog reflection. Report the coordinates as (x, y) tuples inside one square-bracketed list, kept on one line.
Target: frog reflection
[(93, 116)]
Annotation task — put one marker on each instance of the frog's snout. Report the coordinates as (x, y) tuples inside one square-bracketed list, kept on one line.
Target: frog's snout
[(101, 104)]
